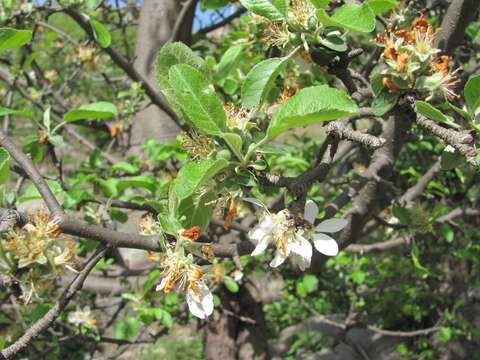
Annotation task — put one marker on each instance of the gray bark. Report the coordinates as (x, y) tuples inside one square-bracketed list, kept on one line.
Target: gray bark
[(156, 23)]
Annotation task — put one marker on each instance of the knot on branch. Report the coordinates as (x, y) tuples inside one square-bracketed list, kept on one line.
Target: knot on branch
[(341, 131)]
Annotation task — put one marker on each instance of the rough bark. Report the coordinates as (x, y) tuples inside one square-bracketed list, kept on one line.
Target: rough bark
[(458, 16)]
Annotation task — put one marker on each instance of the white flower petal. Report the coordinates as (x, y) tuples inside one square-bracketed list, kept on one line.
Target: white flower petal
[(203, 308), (301, 262), (331, 225), (311, 211), (301, 247), (261, 246), (325, 244), (277, 260), (301, 252)]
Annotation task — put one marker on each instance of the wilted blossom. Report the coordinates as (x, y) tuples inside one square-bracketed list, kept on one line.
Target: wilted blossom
[(83, 317), (293, 241), (182, 274)]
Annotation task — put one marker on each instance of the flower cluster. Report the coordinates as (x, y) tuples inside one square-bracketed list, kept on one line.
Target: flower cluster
[(36, 254), (414, 62), (180, 272), (40, 242), (292, 240)]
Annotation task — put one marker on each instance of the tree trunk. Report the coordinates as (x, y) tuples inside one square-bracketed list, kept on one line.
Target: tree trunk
[(156, 22)]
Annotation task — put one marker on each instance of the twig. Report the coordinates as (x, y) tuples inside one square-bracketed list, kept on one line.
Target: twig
[(222, 23), (128, 68), (460, 141), (378, 247), (343, 132), (32, 173)]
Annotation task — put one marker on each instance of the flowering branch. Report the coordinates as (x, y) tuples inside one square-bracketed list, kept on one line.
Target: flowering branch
[(47, 320)]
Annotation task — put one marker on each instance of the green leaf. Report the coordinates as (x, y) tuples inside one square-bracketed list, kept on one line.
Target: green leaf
[(228, 61), (194, 174), (384, 102), (351, 17), (381, 6), (173, 54), (124, 167), (309, 106), (310, 283), (230, 284), (118, 215), (432, 113), (127, 329), (198, 212), (198, 99), (472, 93), (260, 80), (320, 4), (13, 38), (95, 111), (145, 182), (164, 317), (415, 253), (38, 312), (235, 142), (358, 277), (21, 113), (151, 280), (468, 118), (32, 193), (4, 165), (447, 232), (271, 9), (334, 42), (102, 35)]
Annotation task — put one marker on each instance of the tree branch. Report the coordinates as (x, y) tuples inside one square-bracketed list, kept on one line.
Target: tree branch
[(128, 68), (460, 141)]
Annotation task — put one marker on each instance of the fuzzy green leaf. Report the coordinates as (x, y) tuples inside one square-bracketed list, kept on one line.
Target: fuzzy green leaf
[(95, 111), (260, 80), (13, 38), (351, 17), (309, 106), (228, 61), (381, 6), (198, 100), (194, 174), (271, 9), (102, 35), (472, 93)]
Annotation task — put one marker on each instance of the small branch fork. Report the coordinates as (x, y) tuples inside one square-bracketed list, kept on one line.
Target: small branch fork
[(128, 68), (47, 320)]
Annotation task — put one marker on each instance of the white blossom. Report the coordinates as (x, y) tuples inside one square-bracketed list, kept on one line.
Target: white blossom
[(292, 241), (180, 272), (280, 229), (82, 317)]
